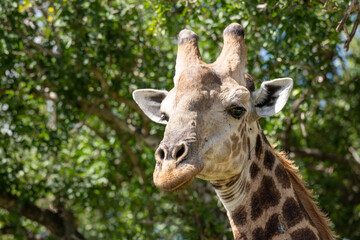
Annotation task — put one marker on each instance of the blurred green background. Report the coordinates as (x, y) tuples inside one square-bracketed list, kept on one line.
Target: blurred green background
[(76, 154)]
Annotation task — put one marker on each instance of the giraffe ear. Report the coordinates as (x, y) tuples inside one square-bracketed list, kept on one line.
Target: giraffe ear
[(272, 96), (149, 101)]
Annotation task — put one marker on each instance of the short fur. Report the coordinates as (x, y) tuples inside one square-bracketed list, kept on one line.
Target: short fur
[(321, 222)]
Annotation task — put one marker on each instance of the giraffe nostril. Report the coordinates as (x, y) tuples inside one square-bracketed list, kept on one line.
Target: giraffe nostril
[(180, 151), (160, 154)]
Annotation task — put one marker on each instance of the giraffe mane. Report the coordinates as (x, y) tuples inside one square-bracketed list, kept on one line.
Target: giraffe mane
[(320, 220)]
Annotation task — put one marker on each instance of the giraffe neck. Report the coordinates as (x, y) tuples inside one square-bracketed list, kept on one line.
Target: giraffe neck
[(261, 202)]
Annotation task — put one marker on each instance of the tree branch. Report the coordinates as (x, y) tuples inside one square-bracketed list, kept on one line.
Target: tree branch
[(353, 31), (319, 154), (346, 15), (120, 126), (114, 95), (106, 115), (353, 7), (53, 221)]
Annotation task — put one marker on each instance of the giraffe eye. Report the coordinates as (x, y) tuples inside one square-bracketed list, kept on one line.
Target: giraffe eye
[(164, 117), (236, 111)]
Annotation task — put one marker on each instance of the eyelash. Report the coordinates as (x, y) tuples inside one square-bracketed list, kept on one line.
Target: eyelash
[(236, 111)]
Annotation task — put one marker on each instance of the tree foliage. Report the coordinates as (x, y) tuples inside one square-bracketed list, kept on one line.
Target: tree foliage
[(76, 153)]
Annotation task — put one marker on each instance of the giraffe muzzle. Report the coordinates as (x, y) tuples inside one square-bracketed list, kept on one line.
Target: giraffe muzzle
[(175, 167)]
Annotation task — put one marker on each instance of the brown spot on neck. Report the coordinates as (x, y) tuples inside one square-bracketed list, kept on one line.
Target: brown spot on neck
[(266, 196), (303, 234), (239, 216), (271, 229), (258, 147), (269, 160), (254, 170), (282, 176), (292, 212)]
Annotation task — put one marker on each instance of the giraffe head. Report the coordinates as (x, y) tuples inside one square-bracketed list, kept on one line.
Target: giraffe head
[(210, 108)]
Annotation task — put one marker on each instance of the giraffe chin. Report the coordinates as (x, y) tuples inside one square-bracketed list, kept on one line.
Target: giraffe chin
[(179, 187), (175, 179)]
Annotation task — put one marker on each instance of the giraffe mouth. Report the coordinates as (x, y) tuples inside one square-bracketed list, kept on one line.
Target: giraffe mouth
[(174, 177), (181, 186)]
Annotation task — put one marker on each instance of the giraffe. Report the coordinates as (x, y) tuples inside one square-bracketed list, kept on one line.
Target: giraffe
[(212, 132)]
